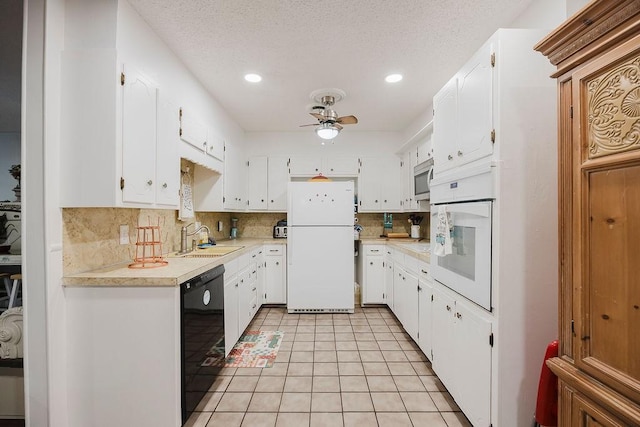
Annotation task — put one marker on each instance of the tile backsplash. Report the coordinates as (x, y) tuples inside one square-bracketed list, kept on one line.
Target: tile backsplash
[(91, 236)]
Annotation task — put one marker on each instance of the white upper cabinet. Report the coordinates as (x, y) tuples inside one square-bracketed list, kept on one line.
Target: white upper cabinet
[(340, 166), (116, 154), (327, 166), (475, 106), (257, 186), (305, 166), (277, 182), (463, 113), (425, 148), (139, 101), (234, 179), (192, 130), (380, 184), (200, 144), (167, 160), (445, 125), (267, 186)]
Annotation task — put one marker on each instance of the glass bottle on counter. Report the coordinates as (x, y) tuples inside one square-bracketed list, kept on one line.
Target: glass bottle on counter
[(234, 228)]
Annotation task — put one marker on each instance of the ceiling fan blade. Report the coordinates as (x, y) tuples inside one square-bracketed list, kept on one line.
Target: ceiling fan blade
[(347, 120), (317, 116), (311, 124), (338, 126)]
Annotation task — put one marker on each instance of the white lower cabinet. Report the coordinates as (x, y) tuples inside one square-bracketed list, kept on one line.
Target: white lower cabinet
[(240, 297), (231, 323), (245, 285), (462, 347), (425, 301), (275, 286), (371, 274), (405, 288), (258, 257), (388, 277)]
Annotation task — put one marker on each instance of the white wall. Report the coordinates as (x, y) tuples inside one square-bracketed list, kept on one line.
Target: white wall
[(10, 149), (56, 307), (545, 14)]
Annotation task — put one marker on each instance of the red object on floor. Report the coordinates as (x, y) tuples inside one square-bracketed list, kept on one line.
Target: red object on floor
[(547, 403)]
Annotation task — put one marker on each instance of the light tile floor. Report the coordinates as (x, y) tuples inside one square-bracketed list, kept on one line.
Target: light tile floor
[(332, 370)]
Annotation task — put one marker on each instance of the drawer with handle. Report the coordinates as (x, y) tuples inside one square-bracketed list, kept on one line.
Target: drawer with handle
[(271, 250), (374, 250)]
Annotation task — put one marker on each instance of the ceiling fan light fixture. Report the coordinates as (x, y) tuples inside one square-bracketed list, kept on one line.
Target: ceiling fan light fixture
[(327, 131), (393, 78), (253, 78)]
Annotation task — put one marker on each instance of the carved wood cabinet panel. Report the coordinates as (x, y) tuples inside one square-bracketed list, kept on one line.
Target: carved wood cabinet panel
[(597, 52)]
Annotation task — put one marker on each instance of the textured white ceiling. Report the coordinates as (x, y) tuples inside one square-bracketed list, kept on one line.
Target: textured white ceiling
[(300, 46)]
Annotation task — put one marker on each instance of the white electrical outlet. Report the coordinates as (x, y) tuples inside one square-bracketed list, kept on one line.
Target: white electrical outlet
[(124, 234)]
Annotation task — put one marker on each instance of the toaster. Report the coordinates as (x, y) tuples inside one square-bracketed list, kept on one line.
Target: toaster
[(280, 232)]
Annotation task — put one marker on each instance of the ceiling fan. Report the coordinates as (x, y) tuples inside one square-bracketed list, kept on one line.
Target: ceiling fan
[(329, 124)]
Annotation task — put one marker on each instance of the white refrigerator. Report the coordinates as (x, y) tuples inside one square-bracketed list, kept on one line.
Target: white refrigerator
[(320, 250)]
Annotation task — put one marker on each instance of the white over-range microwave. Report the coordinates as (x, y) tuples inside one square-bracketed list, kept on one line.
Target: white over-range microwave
[(422, 176)]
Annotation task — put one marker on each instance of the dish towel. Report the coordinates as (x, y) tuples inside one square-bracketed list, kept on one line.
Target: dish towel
[(186, 199), (444, 232)]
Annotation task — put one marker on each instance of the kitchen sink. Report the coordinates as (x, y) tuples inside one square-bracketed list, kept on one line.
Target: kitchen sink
[(210, 252)]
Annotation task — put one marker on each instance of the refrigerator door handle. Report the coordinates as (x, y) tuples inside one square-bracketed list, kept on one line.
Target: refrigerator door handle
[(289, 249)]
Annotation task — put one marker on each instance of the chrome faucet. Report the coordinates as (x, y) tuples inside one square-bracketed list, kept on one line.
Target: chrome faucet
[(184, 234)]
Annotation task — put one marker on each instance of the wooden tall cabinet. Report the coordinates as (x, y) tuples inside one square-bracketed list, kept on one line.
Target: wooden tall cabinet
[(597, 54)]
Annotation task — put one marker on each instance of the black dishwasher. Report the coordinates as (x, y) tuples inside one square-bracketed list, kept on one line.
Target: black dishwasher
[(202, 335)]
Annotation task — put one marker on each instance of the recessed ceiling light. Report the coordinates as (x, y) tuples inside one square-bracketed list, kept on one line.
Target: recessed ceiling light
[(253, 78), (393, 78)]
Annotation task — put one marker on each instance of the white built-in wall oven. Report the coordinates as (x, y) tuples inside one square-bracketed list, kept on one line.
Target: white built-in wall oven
[(465, 267)]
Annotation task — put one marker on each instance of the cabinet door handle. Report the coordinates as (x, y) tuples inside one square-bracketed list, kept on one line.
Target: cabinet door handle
[(273, 250), (448, 308), (459, 153), (277, 263), (271, 200), (419, 288), (254, 289), (425, 272), (254, 306), (376, 200), (375, 250), (236, 285), (262, 200), (450, 157), (164, 185), (459, 315), (371, 263), (149, 182)]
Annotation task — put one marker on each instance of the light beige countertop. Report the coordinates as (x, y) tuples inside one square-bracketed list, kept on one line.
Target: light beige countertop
[(413, 247), (181, 269), (177, 271)]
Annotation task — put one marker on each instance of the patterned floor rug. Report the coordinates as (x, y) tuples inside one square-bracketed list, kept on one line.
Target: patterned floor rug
[(254, 349)]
